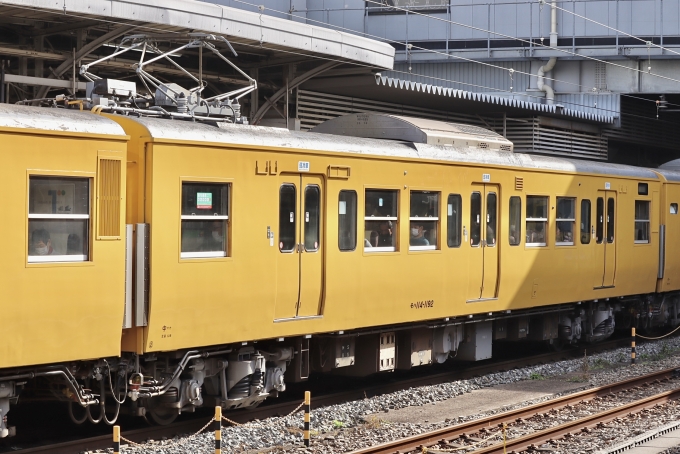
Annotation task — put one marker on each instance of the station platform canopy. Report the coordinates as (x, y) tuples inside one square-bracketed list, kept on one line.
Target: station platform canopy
[(249, 32)]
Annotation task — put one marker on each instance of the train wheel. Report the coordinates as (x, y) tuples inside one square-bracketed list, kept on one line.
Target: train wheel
[(162, 416)]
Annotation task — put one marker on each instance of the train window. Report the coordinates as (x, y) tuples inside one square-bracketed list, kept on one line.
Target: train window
[(311, 220), (585, 221), (515, 235), (287, 217), (537, 220), (475, 219), (566, 217), (424, 220), (643, 189), (347, 221), (58, 219), (641, 221), (599, 221), (380, 220), (674, 208), (205, 220), (491, 205), (610, 220), (454, 206)]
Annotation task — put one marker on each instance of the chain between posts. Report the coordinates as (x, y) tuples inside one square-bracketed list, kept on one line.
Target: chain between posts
[(657, 338), (202, 429), (173, 443)]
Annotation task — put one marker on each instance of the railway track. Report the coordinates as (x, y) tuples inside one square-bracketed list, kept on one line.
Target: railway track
[(189, 426), (477, 431)]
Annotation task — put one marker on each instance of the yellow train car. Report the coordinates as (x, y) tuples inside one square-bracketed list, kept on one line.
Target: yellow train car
[(244, 258), (63, 268)]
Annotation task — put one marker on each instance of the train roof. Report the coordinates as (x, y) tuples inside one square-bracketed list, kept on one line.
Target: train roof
[(282, 138), (670, 170), (62, 120)]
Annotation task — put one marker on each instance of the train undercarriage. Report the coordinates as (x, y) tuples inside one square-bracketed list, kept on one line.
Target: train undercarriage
[(162, 386)]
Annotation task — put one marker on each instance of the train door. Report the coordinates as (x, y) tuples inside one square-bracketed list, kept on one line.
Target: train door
[(605, 239), (300, 258), (483, 272)]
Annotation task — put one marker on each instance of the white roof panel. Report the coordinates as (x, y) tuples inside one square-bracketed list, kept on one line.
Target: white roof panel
[(283, 138), (62, 120)]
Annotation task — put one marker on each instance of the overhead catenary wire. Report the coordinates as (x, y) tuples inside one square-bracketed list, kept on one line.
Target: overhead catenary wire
[(411, 46), (647, 42), (306, 55), (523, 40)]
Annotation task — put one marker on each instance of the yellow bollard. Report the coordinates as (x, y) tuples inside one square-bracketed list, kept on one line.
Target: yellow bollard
[(218, 430), (116, 439), (308, 405), (632, 346)]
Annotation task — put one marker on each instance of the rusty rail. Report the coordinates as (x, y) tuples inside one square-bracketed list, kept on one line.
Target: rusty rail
[(448, 434)]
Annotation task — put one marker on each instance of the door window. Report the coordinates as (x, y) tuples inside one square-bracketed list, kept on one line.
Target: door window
[(311, 220), (491, 219), (287, 217), (610, 220), (475, 218), (599, 222)]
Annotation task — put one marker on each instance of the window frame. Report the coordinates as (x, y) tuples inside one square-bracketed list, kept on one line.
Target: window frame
[(430, 219), (188, 257), (518, 226), (589, 227), (295, 218), (533, 219), (459, 226), (306, 222), (353, 222), (74, 259), (648, 221), (393, 219), (558, 220), (477, 224)]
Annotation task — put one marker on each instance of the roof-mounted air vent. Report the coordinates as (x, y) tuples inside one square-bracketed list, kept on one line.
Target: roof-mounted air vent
[(416, 130)]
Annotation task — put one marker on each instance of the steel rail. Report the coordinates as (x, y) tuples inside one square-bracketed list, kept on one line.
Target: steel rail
[(448, 434)]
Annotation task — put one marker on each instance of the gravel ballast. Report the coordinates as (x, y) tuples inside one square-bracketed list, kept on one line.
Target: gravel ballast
[(353, 425)]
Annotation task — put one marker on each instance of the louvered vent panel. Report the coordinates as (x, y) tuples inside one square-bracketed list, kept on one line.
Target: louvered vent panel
[(519, 183), (109, 198), (314, 108), (483, 145)]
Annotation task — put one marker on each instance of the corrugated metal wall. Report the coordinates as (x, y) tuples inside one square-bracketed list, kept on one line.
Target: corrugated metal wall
[(530, 135)]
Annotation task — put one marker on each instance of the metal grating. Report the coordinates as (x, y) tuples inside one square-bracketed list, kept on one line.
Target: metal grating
[(530, 136), (109, 198), (314, 108)]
